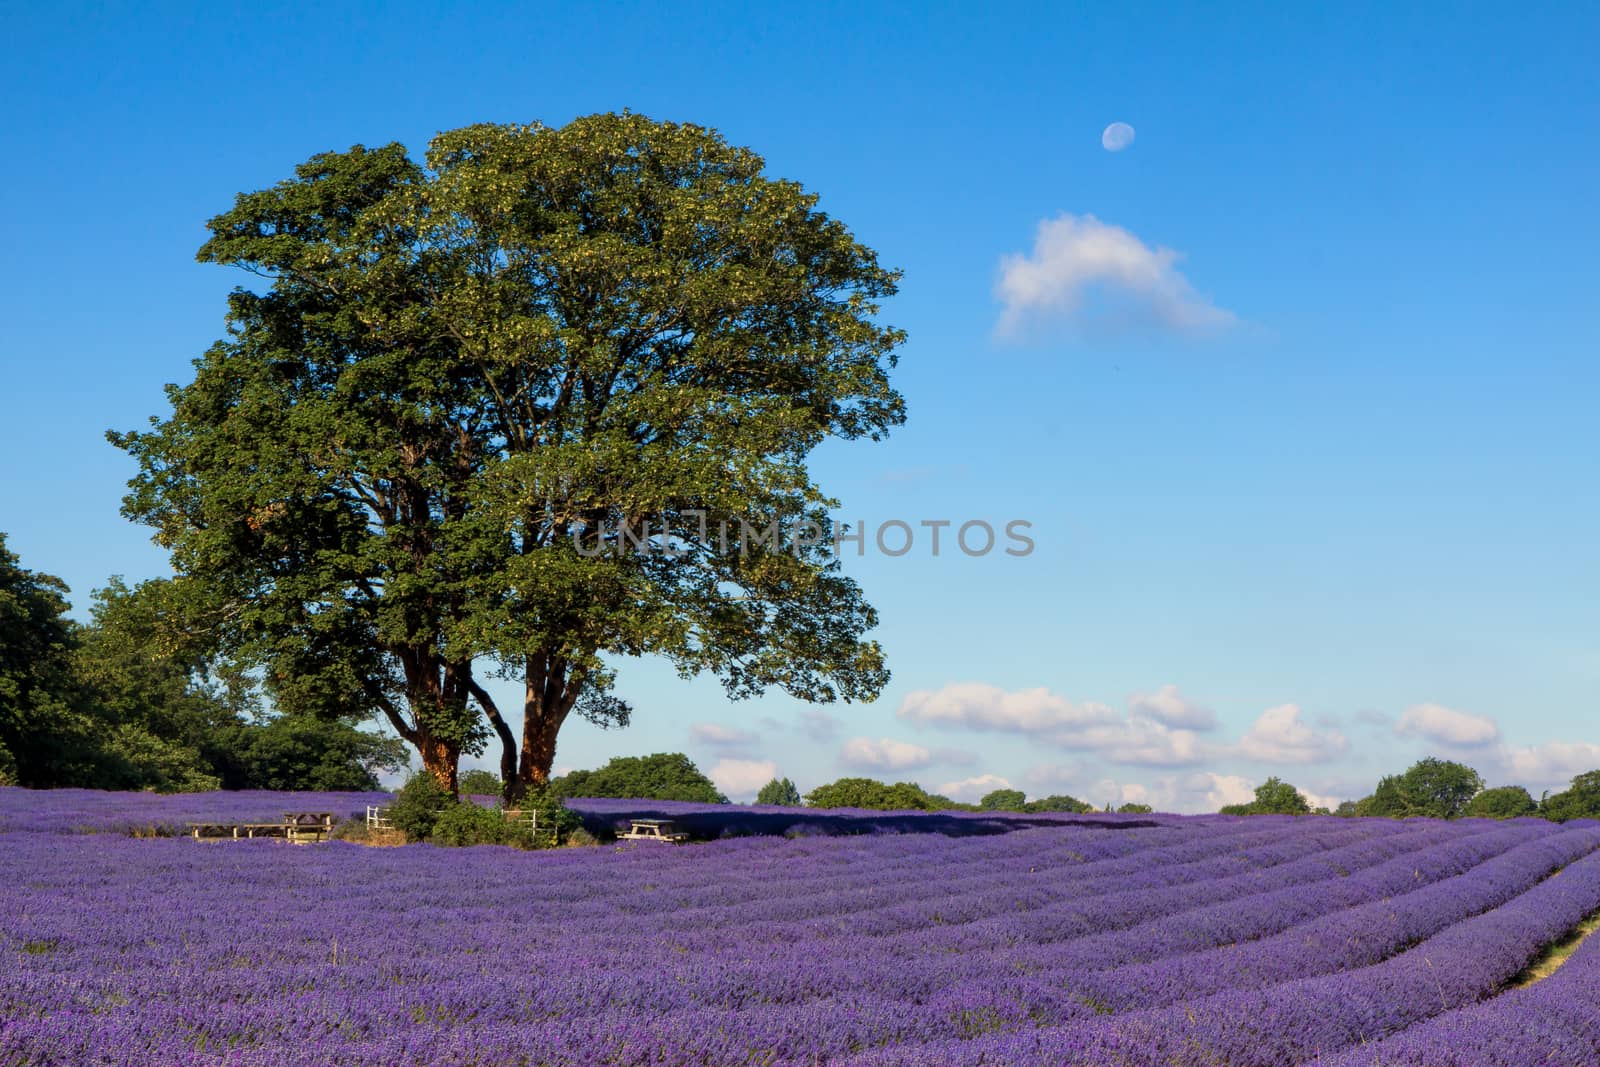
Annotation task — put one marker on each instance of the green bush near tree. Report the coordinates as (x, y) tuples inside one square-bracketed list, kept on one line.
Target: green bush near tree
[(480, 783)]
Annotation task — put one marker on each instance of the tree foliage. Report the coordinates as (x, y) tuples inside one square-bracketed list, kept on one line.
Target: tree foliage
[(45, 736), (662, 776), (1580, 801), (1003, 800), (1503, 802), (1059, 802), (780, 792), (874, 795), (482, 783), (1273, 797), (136, 699), (471, 381)]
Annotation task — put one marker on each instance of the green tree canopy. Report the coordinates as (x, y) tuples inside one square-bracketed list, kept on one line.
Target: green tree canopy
[(1059, 802), (1131, 808), (662, 776), (780, 792), (874, 795), (1581, 801), (1434, 788), (1273, 797), (45, 737), (1503, 802), (1003, 800), (494, 410)]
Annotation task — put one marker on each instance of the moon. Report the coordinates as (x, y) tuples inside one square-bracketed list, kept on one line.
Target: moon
[(1117, 136)]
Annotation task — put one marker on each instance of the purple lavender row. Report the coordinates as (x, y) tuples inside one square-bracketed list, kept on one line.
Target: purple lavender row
[(1295, 1022), (1097, 928), (444, 958), (1350, 923), (906, 899), (1554, 1021)]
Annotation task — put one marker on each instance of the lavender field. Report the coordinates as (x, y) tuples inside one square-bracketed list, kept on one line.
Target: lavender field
[(806, 937)]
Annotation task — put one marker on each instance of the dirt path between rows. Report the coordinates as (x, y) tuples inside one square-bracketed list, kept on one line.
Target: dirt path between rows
[(1553, 957)]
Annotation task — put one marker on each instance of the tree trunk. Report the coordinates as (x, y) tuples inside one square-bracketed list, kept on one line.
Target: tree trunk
[(548, 695), (538, 752), (440, 758)]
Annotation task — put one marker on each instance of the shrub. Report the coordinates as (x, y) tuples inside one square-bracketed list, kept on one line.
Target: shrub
[(480, 783), (417, 806), (465, 823), (557, 824), (1135, 809)]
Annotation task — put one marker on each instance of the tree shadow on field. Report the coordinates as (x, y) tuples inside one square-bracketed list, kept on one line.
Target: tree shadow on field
[(604, 818)]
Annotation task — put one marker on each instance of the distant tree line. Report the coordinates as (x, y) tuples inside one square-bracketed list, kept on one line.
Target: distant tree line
[(133, 700), (1436, 789)]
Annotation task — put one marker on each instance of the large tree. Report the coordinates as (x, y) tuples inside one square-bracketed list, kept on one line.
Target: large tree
[(516, 408)]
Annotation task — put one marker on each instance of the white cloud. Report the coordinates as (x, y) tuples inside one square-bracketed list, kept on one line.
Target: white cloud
[(1137, 738), (976, 706), (717, 735), (1220, 790), (1171, 708), (1280, 736), (1074, 255), (969, 790), (1446, 726), (883, 754), (742, 777), (1551, 765)]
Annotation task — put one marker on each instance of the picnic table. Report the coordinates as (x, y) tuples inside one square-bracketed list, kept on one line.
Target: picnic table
[(296, 826), (653, 830)]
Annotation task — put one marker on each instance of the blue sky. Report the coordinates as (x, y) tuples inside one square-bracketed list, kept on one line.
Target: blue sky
[(1297, 389)]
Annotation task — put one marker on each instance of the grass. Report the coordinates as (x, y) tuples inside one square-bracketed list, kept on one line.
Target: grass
[(1554, 956)]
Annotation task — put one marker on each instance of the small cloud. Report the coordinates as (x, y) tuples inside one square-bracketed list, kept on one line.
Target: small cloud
[(1280, 736), (1446, 726), (884, 754), (1171, 708), (968, 790), (1374, 718), (742, 777), (717, 735), (1077, 257)]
